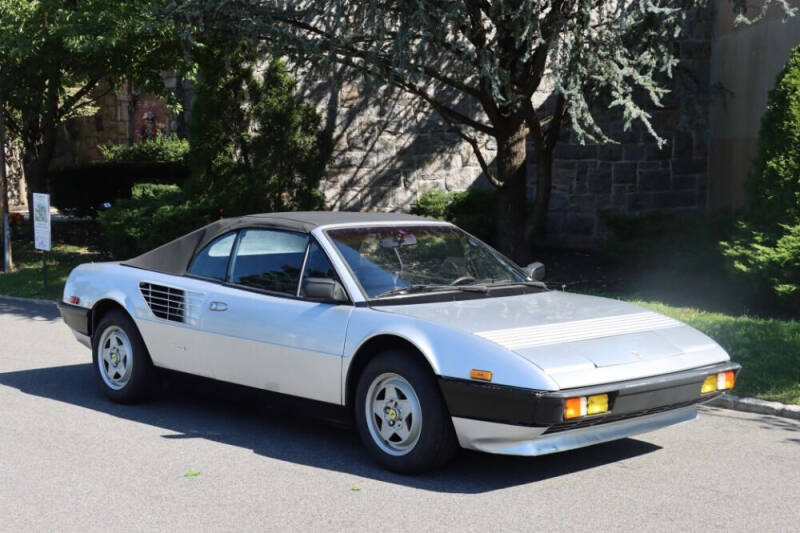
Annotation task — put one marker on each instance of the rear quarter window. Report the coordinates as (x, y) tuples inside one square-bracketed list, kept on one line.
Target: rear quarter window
[(212, 261)]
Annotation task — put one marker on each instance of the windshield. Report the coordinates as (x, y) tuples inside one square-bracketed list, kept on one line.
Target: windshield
[(388, 259)]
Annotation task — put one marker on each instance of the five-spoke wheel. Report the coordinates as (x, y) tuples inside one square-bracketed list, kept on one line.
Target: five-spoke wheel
[(116, 357), (400, 414), (121, 362), (396, 414)]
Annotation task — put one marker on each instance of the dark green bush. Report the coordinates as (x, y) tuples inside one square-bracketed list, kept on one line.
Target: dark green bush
[(85, 189), (153, 215), (256, 146), (471, 210), (765, 249), (155, 150)]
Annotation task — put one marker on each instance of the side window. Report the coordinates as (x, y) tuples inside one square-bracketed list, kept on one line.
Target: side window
[(212, 261), (317, 264), (269, 260)]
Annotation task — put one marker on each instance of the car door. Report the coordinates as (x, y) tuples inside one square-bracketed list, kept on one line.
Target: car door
[(173, 307), (261, 331)]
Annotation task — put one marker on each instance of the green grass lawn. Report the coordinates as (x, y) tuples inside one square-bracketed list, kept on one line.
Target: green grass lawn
[(26, 280), (767, 349)]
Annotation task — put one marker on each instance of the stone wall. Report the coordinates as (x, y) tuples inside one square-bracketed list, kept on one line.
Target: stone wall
[(389, 151)]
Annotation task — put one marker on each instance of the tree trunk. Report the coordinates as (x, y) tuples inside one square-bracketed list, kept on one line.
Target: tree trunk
[(511, 197), (536, 228), (36, 163)]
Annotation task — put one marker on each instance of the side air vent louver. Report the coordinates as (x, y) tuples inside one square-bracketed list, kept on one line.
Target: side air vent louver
[(165, 302)]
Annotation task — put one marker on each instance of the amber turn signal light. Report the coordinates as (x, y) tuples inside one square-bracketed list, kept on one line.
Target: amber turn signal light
[(725, 380), (719, 381), (482, 375), (585, 406), (575, 407)]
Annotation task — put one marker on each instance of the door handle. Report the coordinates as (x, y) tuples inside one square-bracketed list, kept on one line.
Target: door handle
[(218, 306)]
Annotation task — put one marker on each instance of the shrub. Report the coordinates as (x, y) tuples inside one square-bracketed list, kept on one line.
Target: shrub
[(766, 246), (256, 146), (85, 189), (153, 215), (155, 150), (471, 210)]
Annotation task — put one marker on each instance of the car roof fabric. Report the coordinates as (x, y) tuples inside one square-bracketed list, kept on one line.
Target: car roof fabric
[(174, 256)]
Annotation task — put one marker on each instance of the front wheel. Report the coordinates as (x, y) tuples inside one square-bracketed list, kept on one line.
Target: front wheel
[(401, 416), (122, 366)]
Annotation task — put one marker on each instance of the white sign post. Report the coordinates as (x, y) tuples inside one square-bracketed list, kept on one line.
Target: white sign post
[(41, 229)]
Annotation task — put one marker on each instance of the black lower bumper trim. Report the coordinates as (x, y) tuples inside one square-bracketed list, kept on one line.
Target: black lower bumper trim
[(77, 318), (527, 407)]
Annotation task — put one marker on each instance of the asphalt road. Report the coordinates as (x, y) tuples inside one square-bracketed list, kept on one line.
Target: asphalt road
[(72, 461)]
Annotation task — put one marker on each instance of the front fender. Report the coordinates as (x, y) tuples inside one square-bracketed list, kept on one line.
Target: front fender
[(450, 352)]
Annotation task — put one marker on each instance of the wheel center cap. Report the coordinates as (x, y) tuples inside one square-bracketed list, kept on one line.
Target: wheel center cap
[(114, 358), (392, 414)]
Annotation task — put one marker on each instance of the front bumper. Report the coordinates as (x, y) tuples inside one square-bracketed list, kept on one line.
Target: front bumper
[(506, 439), (544, 410)]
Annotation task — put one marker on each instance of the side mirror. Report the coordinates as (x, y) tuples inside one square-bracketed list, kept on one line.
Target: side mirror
[(325, 289), (535, 271)]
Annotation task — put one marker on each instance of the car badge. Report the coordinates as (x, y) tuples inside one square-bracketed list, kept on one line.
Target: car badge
[(637, 354)]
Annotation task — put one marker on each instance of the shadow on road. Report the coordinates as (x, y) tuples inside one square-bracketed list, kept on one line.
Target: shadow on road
[(33, 310), (300, 431)]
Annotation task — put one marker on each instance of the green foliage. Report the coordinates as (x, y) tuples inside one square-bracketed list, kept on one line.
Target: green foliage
[(152, 216), (57, 57), (765, 249), (471, 210), (255, 146), (768, 350), (155, 150)]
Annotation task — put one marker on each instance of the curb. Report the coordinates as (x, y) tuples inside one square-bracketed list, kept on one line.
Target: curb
[(754, 405), (37, 301)]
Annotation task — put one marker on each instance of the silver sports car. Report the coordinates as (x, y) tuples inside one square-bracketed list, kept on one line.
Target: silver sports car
[(433, 338)]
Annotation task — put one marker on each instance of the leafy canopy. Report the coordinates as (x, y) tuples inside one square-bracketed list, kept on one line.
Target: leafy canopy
[(54, 55), (495, 55)]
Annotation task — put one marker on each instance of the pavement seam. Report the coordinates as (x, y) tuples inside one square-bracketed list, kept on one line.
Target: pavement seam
[(726, 401)]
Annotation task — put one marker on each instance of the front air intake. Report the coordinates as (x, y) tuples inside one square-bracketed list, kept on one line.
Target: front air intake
[(165, 302)]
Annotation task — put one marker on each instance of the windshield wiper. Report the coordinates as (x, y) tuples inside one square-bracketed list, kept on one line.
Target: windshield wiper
[(423, 287), (508, 283)]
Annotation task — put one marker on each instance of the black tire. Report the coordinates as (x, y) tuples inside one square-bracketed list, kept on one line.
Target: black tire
[(138, 385), (436, 443)]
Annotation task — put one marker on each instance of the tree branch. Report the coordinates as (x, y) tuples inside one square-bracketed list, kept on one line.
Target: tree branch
[(75, 98), (346, 49), (478, 154)]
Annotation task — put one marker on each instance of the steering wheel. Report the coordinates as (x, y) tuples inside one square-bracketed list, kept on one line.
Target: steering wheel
[(461, 280)]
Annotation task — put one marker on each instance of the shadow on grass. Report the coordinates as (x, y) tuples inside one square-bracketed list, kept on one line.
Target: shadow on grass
[(300, 431)]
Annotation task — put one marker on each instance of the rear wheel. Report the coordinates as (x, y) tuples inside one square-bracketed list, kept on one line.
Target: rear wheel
[(401, 416), (122, 366)]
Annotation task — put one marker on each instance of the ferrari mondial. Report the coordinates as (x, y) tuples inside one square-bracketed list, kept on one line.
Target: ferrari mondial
[(434, 339)]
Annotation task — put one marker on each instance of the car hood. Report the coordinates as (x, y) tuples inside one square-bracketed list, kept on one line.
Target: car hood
[(563, 332)]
